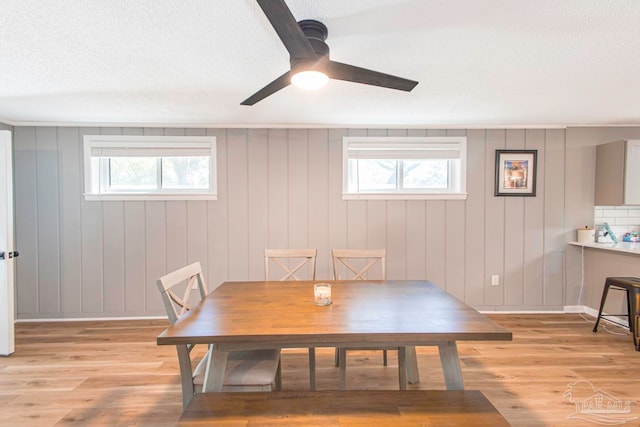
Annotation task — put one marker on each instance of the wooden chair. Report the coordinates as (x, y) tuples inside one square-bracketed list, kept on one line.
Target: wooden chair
[(306, 257), (302, 258), (247, 370), (356, 264)]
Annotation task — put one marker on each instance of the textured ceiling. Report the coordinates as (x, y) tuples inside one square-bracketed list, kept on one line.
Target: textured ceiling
[(169, 62)]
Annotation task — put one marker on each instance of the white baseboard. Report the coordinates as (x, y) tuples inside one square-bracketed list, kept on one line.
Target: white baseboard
[(579, 309), (522, 311), (91, 319)]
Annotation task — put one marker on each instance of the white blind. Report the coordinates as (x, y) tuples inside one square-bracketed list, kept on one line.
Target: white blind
[(151, 150), (396, 150)]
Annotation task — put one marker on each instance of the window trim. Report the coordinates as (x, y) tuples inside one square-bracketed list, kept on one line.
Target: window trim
[(146, 142), (458, 142)]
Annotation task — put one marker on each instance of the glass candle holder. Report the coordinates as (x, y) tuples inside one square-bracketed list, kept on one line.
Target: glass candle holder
[(322, 294)]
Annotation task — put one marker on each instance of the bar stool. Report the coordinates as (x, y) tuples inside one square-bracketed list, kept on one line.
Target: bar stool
[(632, 286)]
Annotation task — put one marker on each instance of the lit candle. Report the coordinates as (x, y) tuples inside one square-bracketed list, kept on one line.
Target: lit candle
[(322, 294)]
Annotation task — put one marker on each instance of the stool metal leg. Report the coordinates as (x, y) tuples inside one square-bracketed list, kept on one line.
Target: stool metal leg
[(605, 291), (633, 297)]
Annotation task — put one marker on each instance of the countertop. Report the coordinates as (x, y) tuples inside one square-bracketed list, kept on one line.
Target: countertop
[(626, 247)]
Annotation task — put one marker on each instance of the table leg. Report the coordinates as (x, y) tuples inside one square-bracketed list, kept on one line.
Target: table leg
[(214, 374), (451, 365), (413, 375), (342, 367), (402, 367), (312, 368)]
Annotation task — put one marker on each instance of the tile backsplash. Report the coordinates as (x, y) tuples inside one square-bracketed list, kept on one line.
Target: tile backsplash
[(621, 219)]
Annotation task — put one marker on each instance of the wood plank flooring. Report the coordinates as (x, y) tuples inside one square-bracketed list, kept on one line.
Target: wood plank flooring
[(112, 373)]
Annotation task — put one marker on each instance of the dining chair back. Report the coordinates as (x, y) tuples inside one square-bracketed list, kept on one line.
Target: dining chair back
[(247, 370), (292, 264), (302, 259), (356, 264)]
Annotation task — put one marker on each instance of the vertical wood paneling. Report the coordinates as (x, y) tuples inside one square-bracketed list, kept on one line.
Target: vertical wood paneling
[(92, 250), (514, 235), (533, 244), (396, 239), (71, 189), (435, 255), (135, 256), (238, 220), (319, 200), (278, 184), (356, 224), (218, 214), (377, 224), (196, 238), (298, 185), (454, 254), (554, 218), (258, 170), (416, 239), (113, 261), (494, 223), (26, 220), (282, 188), (156, 250), (474, 238), (113, 255), (48, 220)]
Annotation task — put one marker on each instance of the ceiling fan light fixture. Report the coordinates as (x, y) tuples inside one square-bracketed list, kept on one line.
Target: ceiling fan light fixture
[(309, 79)]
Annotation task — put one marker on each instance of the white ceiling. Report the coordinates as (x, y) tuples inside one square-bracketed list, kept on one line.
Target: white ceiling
[(191, 62)]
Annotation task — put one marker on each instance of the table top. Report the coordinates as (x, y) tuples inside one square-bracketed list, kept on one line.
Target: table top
[(402, 312)]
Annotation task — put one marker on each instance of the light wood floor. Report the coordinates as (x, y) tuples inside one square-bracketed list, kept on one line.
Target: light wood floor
[(113, 373)]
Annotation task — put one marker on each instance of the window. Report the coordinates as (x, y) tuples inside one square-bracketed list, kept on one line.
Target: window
[(404, 168), (149, 167)]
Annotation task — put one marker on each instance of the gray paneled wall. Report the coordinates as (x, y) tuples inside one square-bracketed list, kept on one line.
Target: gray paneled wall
[(280, 188)]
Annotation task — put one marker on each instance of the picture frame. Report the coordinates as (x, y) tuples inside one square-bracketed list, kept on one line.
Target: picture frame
[(516, 172)]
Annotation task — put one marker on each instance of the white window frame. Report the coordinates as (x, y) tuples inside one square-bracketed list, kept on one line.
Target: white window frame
[(181, 145), (452, 147)]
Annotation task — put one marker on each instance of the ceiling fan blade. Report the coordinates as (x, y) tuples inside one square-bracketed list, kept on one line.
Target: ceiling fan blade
[(287, 28), (279, 83), (350, 73)]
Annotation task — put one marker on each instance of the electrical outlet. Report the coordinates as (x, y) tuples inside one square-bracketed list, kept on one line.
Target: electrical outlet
[(194, 286), (495, 280)]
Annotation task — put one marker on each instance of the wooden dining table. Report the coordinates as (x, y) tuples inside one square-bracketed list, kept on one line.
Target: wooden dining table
[(363, 313)]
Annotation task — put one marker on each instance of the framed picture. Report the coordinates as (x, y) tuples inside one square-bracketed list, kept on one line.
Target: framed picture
[(516, 172)]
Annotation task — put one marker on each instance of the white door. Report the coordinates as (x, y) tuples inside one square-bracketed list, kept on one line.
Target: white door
[(7, 251)]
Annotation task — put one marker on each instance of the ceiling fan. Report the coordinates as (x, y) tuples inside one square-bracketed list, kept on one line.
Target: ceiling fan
[(309, 56)]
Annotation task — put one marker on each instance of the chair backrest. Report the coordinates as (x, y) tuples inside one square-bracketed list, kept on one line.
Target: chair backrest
[(281, 258), (170, 285), (358, 262)]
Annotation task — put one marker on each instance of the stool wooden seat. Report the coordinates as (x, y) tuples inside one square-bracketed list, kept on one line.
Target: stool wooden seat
[(632, 287), (344, 408)]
